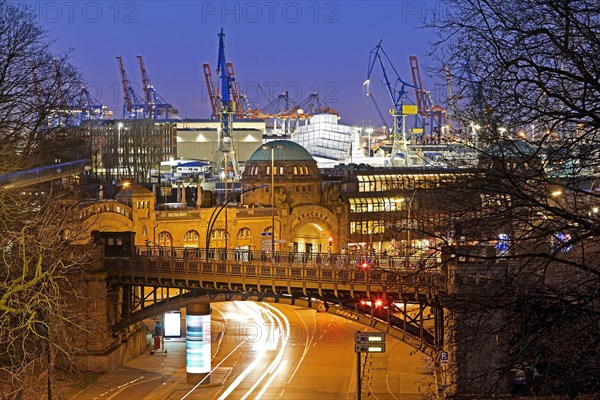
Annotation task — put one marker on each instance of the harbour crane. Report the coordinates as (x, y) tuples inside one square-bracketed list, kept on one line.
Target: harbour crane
[(313, 104), (134, 107), (212, 93), (470, 89), (397, 94), (91, 107), (156, 107), (71, 110), (242, 108), (429, 116), (65, 113), (235, 92), (226, 157)]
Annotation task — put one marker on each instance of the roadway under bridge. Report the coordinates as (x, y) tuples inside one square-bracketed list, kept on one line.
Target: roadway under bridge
[(387, 292)]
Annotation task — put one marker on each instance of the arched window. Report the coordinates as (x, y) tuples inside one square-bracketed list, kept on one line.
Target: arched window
[(244, 233), (191, 236), (165, 239), (218, 234)]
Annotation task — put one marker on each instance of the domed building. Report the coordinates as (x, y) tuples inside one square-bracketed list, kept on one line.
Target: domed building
[(285, 201), (304, 219)]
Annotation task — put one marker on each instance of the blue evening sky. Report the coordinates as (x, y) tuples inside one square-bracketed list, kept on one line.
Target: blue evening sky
[(302, 46)]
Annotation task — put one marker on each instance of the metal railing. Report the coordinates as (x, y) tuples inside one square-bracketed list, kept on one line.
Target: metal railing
[(325, 272)]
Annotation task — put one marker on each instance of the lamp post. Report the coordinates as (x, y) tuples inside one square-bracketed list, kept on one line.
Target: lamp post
[(273, 203), (272, 147), (369, 131), (217, 211), (119, 126), (408, 228)]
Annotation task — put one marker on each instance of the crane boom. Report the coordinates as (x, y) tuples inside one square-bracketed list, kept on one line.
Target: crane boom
[(235, 92), (451, 100), (133, 106), (37, 88), (419, 91), (146, 85), (125, 84), (210, 87)]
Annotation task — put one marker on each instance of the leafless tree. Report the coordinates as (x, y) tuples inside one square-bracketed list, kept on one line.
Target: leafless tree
[(35, 228), (526, 74), (36, 302)]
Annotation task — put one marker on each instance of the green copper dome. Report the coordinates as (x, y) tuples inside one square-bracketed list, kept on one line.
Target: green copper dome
[(285, 150)]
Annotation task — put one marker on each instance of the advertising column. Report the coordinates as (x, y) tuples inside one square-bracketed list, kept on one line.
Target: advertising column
[(198, 343)]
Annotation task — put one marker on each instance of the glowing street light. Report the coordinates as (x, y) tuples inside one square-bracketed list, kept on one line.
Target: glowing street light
[(119, 127)]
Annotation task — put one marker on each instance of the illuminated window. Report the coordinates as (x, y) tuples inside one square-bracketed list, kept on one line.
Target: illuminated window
[(191, 236), (244, 233), (165, 239), (218, 234)]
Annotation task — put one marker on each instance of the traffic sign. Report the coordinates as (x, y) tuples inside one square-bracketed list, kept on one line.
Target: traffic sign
[(369, 347), (369, 337), (444, 358)]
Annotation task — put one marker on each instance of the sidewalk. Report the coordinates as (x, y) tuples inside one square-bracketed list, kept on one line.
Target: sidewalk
[(149, 376)]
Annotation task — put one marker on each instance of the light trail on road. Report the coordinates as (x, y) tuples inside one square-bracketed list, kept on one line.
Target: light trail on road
[(284, 336), (306, 344), (278, 327), (214, 369)]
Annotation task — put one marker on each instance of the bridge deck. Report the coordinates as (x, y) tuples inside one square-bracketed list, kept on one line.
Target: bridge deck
[(320, 275)]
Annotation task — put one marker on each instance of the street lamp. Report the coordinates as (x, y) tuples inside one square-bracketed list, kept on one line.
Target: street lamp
[(369, 131), (408, 228), (266, 147), (119, 127), (217, 211)]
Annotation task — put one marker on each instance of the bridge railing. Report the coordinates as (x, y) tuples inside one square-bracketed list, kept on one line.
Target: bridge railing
[(409, 264), (343, 271)]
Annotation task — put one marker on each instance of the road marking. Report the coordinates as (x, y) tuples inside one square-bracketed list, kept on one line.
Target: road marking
[(214, 369), (272, 320), (119, 388), (306, 346)]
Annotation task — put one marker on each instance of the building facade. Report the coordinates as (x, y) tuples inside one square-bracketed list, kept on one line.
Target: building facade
[(287, 201)]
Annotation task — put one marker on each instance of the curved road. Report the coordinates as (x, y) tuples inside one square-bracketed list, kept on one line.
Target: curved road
[(275, 351)]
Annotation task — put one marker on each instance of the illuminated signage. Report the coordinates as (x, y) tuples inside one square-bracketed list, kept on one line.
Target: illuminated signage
[(197, 344), (173, 325)]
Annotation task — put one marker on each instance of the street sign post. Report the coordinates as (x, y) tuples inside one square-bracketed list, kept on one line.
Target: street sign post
[(444, 358), (369, 337), (369, 347), (366, 342)]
